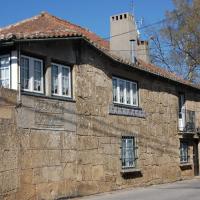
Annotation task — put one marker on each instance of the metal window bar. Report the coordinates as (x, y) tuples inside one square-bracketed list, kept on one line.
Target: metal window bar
[(129, 152), (188, 120), (184, 156)]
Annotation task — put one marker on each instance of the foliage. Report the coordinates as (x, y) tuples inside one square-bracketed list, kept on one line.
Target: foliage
[(176, 45)]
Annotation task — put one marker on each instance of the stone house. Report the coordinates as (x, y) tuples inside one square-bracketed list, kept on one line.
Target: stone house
[(78, 118)]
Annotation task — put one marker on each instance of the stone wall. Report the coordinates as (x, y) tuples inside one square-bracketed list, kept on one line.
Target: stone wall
[(48, 144), (9, 146), (100, 134), (52, 148), (38, 144)]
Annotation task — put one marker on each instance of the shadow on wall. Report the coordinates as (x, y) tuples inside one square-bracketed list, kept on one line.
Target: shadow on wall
[(96, 124), (132, 175)]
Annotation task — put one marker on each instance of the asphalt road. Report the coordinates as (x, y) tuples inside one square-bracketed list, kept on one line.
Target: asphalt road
[(183, 190)]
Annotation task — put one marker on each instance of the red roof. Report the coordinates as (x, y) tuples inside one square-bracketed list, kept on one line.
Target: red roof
[(48, 26), (45, 26)]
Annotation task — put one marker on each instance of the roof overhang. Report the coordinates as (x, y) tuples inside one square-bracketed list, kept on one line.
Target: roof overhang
[(106, 52)]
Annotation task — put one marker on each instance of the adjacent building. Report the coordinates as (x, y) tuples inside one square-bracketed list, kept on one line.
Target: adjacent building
[(80, 115)]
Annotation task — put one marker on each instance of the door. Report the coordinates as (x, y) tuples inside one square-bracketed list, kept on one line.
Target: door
[(181, 112), (196, 158)]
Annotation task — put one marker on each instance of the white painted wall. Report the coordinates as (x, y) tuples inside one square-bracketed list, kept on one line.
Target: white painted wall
[(122, 30)]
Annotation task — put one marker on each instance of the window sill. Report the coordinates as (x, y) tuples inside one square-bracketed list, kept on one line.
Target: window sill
[(130, 170), (191, 133), (48, 97), (127, 106), (186, 166)]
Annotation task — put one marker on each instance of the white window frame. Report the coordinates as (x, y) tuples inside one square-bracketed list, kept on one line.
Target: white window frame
[(60, 67), (9, 68), (31, 74), (124, 149), (131, 92)]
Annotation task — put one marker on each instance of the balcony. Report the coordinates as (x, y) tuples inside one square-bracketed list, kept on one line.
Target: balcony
[(187, 121)]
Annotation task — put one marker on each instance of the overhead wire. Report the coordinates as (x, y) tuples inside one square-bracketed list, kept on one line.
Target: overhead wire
[(146, 26)]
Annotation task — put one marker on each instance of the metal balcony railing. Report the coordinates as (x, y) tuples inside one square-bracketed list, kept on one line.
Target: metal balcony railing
[(187, 121)]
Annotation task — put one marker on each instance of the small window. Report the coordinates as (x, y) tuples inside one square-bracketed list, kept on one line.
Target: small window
[(125, 16), (125, 92), (5, 71), (120, 16), (31, 74), (116, 17), (129, 152), (61, 80), (184, 157)]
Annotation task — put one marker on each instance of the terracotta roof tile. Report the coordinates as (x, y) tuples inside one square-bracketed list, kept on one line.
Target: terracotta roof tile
[(45, 26), (48, 26)]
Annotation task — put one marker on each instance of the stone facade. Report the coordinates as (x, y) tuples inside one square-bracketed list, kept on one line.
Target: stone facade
[(53, 148)]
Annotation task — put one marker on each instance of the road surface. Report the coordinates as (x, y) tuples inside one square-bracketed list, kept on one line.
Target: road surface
[(182, 190)]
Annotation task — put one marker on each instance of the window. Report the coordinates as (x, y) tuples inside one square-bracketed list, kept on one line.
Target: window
[(61, 80), (184, 158), (31, 74), (5, 71), (129, 152), (125, 92)]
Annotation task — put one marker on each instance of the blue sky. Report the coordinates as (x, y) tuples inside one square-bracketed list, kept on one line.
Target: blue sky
[(92, 14)]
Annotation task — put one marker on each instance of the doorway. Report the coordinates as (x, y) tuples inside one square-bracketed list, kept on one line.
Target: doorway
[(196, 158)]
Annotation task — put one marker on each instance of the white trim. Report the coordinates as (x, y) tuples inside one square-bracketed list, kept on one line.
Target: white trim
[(60, 67), (31, 74), (124, 92), (9, 74), (14, 70), (182, 120)]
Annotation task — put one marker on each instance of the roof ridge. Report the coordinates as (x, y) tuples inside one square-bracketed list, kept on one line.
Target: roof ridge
[(23, 21), (75, 25)]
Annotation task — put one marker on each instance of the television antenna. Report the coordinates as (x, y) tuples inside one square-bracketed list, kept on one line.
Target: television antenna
[(132, 10)]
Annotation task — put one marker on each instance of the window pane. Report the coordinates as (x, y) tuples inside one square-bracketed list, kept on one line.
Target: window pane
[(134, 92), (128, 95), (128, 152), (121, 91), (125, 92), (37, 75), (4, 72), (55, 79), (24, 73), (123, 152), (183, 152), (65, 81), (115, 99)]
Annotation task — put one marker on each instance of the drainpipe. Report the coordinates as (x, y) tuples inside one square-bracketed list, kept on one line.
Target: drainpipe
[(19, 100), (133, 51)]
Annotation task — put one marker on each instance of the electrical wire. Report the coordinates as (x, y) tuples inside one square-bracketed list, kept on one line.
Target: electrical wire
[(137, 50), (144, 27)]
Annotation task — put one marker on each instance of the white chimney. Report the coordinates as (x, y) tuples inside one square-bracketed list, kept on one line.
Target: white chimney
[(124, 38)]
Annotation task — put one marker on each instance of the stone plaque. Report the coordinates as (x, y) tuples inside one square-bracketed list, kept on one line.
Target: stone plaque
[(120, 110), (49, 106), (49, 114)]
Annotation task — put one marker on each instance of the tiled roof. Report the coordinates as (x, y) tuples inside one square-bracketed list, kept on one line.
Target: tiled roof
[(48, 26)]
